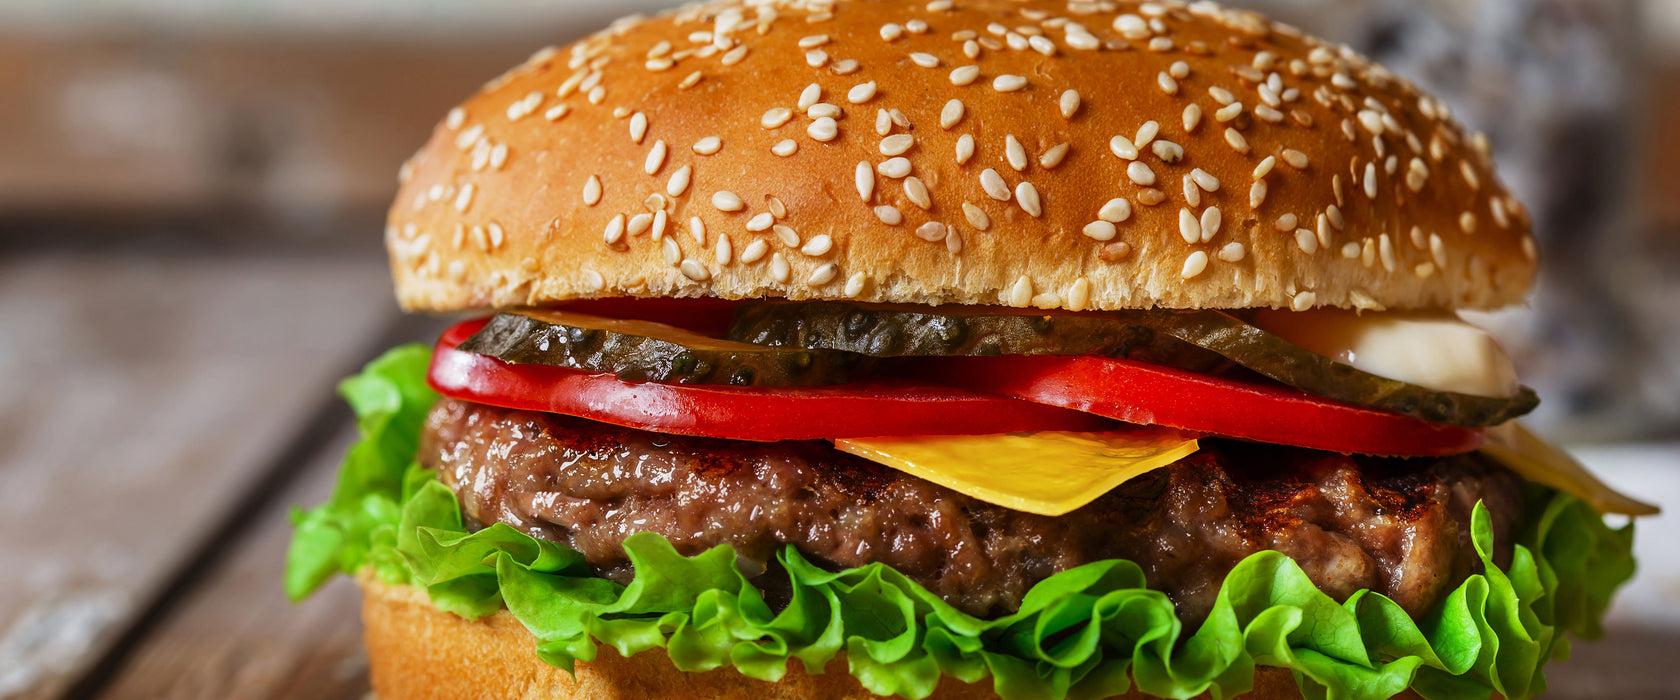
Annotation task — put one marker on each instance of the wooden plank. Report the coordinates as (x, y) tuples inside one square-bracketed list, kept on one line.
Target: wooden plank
[(142, 397), (238, 636)]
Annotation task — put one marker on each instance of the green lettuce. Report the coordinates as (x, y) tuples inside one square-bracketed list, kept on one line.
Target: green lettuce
[(1088, 632)]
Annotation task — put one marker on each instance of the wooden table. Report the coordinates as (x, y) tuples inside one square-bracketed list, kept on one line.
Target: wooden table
[(159, 416)]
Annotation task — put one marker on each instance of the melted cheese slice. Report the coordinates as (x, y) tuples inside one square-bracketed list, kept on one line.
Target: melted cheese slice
[(1534, 459), (1436, 351), (1048, 472)]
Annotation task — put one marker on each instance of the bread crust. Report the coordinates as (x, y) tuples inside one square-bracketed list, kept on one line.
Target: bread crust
[(580, 173), (417, 652)]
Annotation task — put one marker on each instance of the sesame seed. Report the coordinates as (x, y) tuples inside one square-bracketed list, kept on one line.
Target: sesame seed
[(917, 192), (889, 215), (1146, 133), (1228, 112), (1053, 157), (1114, 252), (824, 109), (993, 184), (1343, 81), (964, 75), (725, 200), (1020, 293), (1042, 44), (734, 56), (1069, 103), (1008, 83), (1334, 214), (976, 216), (971, 48), (592, 191), (1265, 167), (596, 95), (697, 229), (1257, 194), (823, 275), (1371, 120), (1285, 223), (1192, 193), (761, 221), (1115, 210), (1014, 152), (1150, 196), (861, 93), (932, 231), (1122, 148), (655, 158), (498, 156), (779, 269), (615, 230), (776, 117), (1496, 206), (891, 31), (693, 270), (754, 251), (883, 122), (1467, 222), (951, 114), (823, 129), (1268, 114), (1385, 252), (1306, 241), (1469, 174), (1140, 173), (660, 221), (809, 96), (1221, 95), (556, 112), (639, 224), (454, 119), (1015, 41), (965, 148), (1100, 230), (1350, 250), (925, 60), (1295, 159), (1303, 301), (1232, 252), (1079, 294), (865, 180), (1211, 219), (819, 245), (1027, 196), (894, 168), (1235, 138), (1194, 265), (785, 147), (464, 199), (480, 239), (1192, 117), (708, 145), (897, 144), (1131, 26), (1188, 227), (855, 284), (1160, 44), (845, 66), (1371, 180), (1167, 83), (1323, 231), (1205, 180)]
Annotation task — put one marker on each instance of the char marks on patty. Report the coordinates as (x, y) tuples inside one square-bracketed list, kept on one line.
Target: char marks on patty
[(1398, 527)]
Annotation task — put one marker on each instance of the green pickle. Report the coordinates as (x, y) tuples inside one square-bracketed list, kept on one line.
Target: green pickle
[(1163, 336), (644, 351)]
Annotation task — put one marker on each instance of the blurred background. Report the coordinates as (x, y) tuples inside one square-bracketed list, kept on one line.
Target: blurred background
[(191, 199)]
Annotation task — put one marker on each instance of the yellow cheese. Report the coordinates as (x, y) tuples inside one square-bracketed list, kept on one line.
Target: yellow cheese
[(1048, 473), (1521, 451)]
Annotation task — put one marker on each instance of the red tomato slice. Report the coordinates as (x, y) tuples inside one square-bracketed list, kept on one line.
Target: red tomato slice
[(1136, 392), (875, 408)]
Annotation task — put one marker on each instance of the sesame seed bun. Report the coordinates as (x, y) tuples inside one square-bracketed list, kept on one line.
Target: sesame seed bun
[(1083, 155), (417, 652)]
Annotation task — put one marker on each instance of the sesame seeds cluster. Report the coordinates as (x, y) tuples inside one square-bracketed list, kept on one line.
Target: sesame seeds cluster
[(1078, 154)]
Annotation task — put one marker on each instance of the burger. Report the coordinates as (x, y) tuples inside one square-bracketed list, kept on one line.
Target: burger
[(1034, 349)]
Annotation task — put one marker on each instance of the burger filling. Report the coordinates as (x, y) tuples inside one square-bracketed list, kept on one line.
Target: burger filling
[(1399, 527)]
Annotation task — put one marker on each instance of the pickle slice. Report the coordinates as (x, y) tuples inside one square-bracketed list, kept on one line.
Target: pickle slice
[(644, 351), (1177, 338), (916, 331)]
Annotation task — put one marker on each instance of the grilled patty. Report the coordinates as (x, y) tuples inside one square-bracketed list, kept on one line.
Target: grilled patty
[(1397, 527)]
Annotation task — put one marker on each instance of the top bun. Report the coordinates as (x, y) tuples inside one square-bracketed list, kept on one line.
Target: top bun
[(1059, 154)]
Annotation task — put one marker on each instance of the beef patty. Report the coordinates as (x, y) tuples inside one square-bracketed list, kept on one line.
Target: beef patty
[(1398, 527)]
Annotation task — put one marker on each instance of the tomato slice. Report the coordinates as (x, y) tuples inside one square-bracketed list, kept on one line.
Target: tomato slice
[(874, 408), (1136, 392)]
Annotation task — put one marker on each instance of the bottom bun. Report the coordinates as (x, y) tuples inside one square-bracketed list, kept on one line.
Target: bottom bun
[(417, 652)]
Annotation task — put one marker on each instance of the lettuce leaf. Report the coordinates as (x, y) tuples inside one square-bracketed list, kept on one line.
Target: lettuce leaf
[(1088, 632)]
